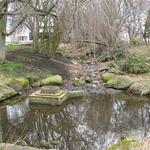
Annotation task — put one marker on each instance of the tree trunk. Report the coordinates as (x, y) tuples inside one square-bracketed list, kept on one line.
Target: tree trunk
[(3, 19), (35, 33), (2, 48), (35, 45)]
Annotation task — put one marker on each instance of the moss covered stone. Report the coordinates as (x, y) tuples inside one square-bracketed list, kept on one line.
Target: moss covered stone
[(140, 88), (107, 76), (52, 80), (32, 79), (6, 92), (126, 144), (19, 84), (79, 81), (120, 82)]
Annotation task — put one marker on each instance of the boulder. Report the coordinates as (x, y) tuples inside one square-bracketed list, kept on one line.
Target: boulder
[(52, 80), (140, 88), (107, 76), (19, 84), (120, 82), (6, 92)]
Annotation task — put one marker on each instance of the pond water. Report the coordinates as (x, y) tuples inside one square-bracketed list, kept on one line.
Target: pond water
[(92, 124)]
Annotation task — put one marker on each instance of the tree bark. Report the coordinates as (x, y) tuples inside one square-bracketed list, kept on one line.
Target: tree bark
[(35, 34), (3, 20)]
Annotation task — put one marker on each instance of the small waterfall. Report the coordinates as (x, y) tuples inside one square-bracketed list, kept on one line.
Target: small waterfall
[(17, 113)]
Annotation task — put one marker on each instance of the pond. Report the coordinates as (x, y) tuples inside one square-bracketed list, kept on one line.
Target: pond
[(91, 124)]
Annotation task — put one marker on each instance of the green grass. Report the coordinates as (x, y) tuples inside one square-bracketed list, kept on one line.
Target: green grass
[(10, 67), (11, 47)]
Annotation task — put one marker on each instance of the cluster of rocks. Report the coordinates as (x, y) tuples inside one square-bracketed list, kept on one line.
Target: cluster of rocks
[(136, 84), (15, 86)]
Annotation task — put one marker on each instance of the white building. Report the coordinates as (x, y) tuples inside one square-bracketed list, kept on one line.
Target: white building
[(20, 36)]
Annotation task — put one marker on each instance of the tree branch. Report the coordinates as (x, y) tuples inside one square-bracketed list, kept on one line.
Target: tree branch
[(13, 30)]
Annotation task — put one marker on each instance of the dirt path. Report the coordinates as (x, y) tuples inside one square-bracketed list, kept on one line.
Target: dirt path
[(60, 65)]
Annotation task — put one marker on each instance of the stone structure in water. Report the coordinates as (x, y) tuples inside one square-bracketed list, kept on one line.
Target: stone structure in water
[(53, 95)]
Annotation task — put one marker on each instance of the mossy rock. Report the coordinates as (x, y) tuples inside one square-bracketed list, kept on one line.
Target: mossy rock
[(79, 81), (6, 92), (32, 78), (126, 144), (19, 84), (140, 88), (107, 77), (52, 80), (120, 83)]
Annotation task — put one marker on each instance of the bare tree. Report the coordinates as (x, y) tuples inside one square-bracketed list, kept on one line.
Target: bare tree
[(23, 8)]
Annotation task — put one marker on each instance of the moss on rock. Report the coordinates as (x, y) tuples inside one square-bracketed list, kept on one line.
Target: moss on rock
[(19, 84), (52, 80), (6, 92), (126, 144), (32, 78), (140, 88), (107, 77), (120, 82), (79, 81)]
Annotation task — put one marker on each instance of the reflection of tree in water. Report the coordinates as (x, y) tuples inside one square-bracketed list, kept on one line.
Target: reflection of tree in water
[(42, 128), (62, 126), (91, 125)]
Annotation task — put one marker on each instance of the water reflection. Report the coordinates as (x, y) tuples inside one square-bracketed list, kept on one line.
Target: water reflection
[(17, 113), (91, 125)]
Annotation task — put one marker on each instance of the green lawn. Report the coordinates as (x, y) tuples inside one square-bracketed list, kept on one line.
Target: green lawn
[(11, 47)]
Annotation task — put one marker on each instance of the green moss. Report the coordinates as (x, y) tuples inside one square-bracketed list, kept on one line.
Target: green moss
[(119, 82), (126, 144), (52, 80), (18, 84), (107, 77), (6, 92), (80, 81), (10, 67), (32, 78), (21, 81), (141, 87)]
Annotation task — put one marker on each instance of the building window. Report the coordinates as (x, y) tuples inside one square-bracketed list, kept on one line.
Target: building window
[(30, 36), (23, 38)]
